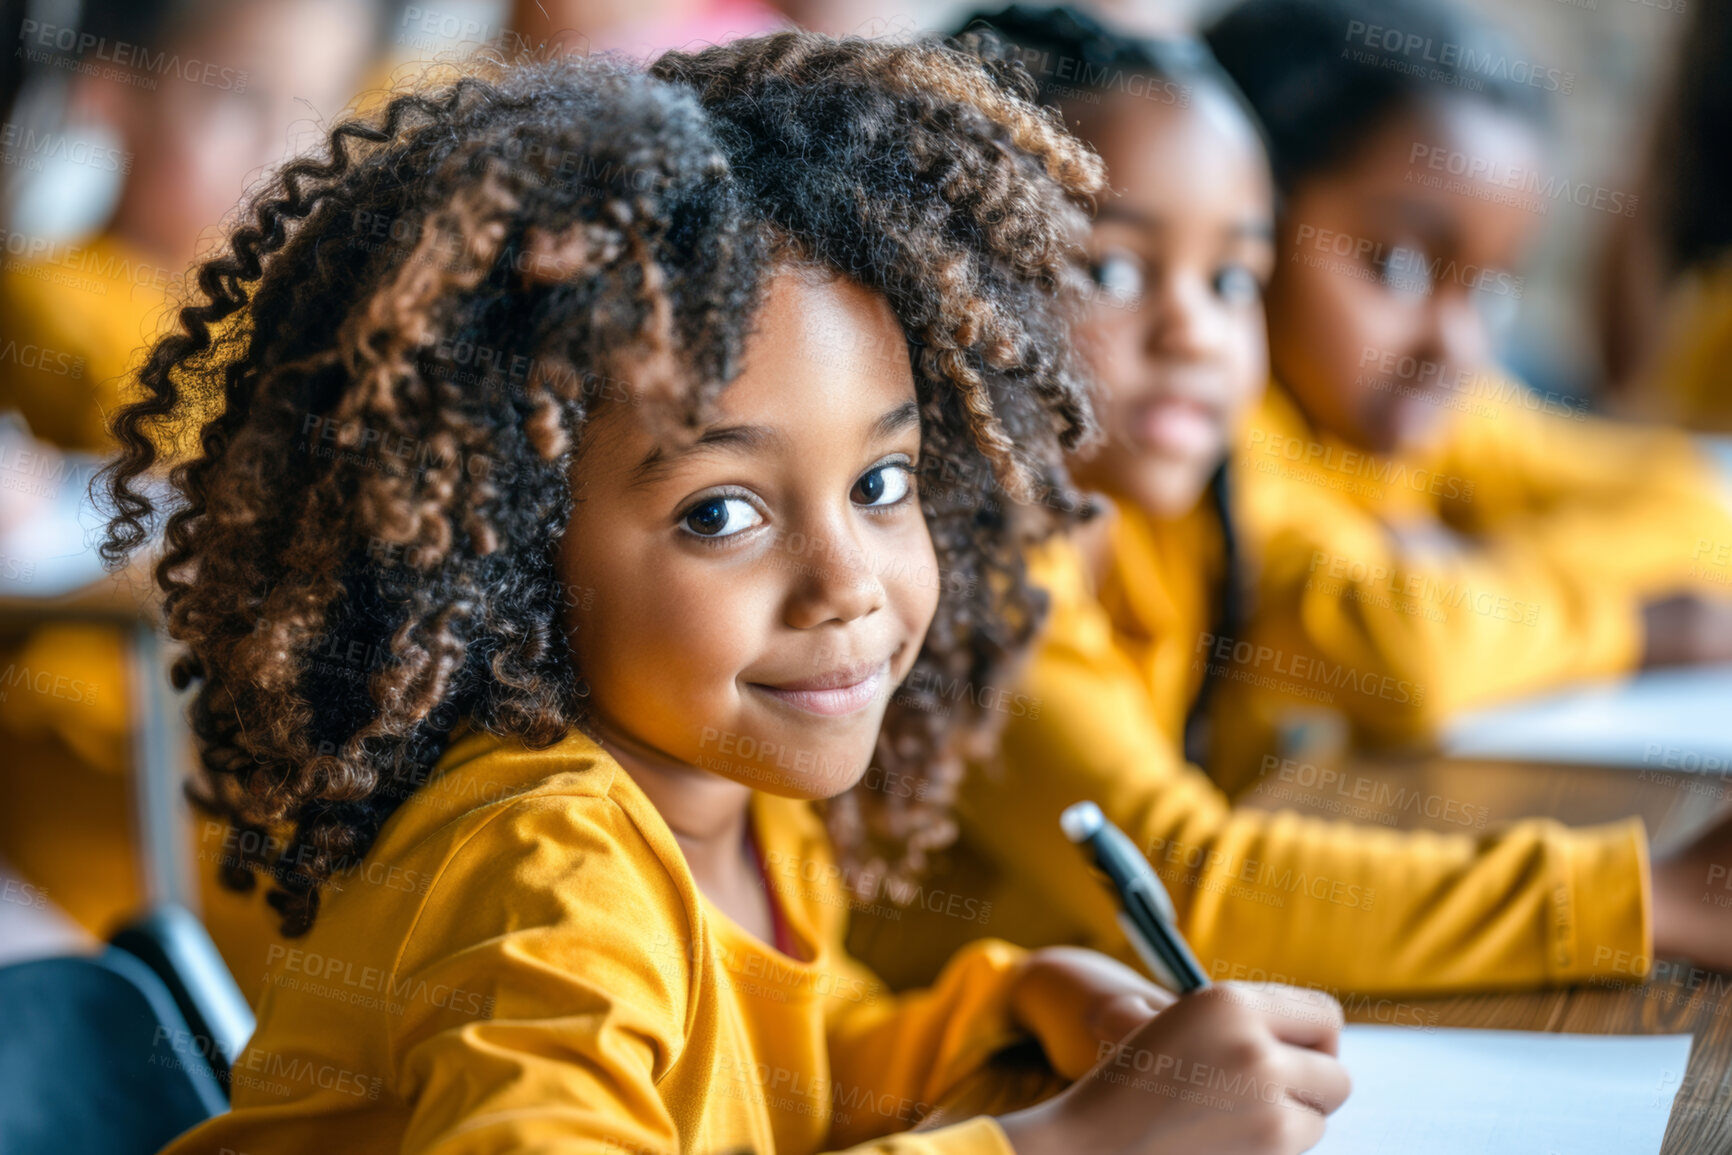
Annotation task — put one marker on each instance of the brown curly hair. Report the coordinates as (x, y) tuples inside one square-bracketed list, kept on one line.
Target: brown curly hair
[(405, 335)]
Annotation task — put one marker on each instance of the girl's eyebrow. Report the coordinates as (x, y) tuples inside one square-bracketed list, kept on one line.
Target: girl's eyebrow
[(895, 421), (736, 438), (748, 438)]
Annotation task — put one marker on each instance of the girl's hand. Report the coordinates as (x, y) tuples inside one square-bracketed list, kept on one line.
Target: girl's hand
[(1686, 630), (1232, 1070), (1693, 900), (1078, 1002)]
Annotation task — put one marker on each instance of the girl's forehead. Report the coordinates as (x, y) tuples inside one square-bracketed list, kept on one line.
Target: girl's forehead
[(826, 362), (811, 328), (1454, 135)]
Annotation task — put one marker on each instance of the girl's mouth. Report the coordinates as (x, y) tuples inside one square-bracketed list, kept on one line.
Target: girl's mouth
[(1178, 427), (837, 693)]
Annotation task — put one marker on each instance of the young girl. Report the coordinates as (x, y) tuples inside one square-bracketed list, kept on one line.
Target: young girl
[(1433, 535), (618, 528), (1183, 238)]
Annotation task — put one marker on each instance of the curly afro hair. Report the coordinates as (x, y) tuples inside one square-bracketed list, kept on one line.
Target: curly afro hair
[(405, 335)]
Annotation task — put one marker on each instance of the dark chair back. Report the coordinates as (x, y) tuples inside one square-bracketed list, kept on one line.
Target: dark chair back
[(96, 1058)]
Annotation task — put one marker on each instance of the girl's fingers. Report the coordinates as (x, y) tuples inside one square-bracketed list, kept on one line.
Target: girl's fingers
[(1315, 1081), (1302, 1018), (1118, 1016)]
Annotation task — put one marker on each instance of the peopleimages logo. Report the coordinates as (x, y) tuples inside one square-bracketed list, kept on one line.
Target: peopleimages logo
[(22, 146), (1411, 50), (86, 52), (1532, 182)]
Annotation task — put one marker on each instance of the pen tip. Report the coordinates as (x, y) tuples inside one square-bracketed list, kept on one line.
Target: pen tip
[(1080, 821)]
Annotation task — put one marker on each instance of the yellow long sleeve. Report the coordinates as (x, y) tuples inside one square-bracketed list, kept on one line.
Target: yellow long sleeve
[(1689, 381), (524, 962), (1262, 895), (893, 1058), (1514, 558)]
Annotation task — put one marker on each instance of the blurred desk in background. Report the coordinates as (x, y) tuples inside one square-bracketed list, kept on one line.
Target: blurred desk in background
[(51, 571), (1676, 720), (1678, 999)]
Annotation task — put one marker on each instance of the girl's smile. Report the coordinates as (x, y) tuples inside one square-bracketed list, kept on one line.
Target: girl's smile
[(838, 692)]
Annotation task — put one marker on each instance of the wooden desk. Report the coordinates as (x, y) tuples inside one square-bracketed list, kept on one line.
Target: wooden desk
[(1678, 1000)]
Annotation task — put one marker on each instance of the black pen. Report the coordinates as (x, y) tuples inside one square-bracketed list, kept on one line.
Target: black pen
[(1146, 912)]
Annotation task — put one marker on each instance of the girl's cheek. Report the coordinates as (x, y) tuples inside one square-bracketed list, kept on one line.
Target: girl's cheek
[(1114, 349), (918, 582)]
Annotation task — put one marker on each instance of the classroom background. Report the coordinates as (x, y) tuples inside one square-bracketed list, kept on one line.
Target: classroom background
[(109, 190)]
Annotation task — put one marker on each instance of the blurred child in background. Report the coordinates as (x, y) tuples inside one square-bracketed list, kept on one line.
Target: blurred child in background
[(1179, 252), (636, 27), (202, 96), (1665, 296), (1431, 535)]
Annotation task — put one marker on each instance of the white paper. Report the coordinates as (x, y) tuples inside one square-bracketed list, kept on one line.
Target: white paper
[(1670, 721), (1454, 1092)]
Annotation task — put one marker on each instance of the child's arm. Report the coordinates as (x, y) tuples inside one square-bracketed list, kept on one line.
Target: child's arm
[(1275, 895), (1570, 531), (1626, 503), (1400, 639), (581, 1019)]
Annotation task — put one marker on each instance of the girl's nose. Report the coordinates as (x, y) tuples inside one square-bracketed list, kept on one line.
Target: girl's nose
[(837, 580)]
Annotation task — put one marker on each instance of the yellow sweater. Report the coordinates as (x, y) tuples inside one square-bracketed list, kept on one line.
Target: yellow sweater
[(524, 962), (1260, 895), (80, 315), (76, 316), (1160, 586), (1691, 381), (1514, 557)]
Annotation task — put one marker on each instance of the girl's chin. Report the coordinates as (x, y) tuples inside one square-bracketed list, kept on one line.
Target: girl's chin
[(790, 769), (805, 788), (1168, 489)]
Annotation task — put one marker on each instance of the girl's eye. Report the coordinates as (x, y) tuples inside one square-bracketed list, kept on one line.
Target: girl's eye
[(1238, 285), (882, 485), (721, 517), (1119, 276)]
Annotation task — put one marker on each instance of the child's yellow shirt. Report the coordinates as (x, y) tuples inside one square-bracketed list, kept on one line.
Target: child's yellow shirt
[(1513, 557), (1691, 381), (1260, 895), (1161, 585), (524, 962), (80, 315)]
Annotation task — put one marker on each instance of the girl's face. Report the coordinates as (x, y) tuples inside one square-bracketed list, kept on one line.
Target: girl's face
[(1394, 266), (754, 593), (1175, 332), (281, 71)]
